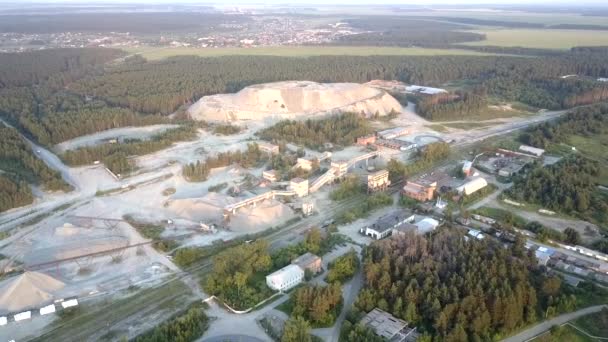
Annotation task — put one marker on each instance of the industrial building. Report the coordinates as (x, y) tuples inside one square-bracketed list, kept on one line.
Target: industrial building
[(396, 144), (420, 190), (388, 326), (299, 186), (285, 278), (538, 152), (267, 147), (393, 133), (270, 175), (472, 186), (378, 181), (340, 167), (309, 261), (366, 140), (304, 164), (385, 225), (426, 225)]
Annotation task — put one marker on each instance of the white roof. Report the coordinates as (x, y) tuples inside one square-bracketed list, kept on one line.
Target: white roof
[(472, 185), (533, 150), (288, 271), (424, 90), (427, 224)]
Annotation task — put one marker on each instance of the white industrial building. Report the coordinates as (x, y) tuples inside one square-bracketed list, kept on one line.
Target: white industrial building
[(472, 186), (426, 225), (285, 278), (386, 224), (532, 150)]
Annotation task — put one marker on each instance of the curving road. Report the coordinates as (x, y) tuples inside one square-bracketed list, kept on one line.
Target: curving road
[(540, 328)]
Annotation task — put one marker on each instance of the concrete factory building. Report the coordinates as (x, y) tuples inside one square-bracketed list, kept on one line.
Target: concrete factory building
[(366, 140), (385, 225), (393, 133), (309, 262), (426, 225), (285, 278), (538, 152), (388, 326), (341, 168), (378, 181), (299, 186), (420, 190), (269, 148), (472, 186), (270, 175)]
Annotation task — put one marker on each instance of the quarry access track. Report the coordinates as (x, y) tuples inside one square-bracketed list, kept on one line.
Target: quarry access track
[(158, 293)]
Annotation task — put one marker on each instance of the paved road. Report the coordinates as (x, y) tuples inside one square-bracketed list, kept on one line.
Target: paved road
[(540, 328)]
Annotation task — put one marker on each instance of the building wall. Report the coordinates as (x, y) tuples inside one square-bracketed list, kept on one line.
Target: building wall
[(282, 281)]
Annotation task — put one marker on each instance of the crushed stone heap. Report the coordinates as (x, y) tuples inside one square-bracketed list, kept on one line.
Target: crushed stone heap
[(293, 100)]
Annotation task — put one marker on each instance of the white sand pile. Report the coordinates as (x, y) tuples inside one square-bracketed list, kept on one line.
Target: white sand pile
[(67, 230), (28, 290), (210, 208), (265, 215), (293, 99), (201, 209)]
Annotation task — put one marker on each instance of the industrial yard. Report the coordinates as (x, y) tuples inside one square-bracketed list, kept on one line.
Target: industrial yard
[(90, 244)]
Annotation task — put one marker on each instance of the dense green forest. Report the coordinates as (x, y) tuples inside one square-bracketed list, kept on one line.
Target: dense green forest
[(199, 171), (343, 268), (587, 121), (452, 106), (163, 86), (115, 156), (184, 327), (41, 92), (567, 186), (341, 130), (459, 290), (20, 167)]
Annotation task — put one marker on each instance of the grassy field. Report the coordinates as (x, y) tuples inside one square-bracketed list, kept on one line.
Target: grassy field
[(542, 38), (564, 333), (595, 324), (596, 148), (155, 53)]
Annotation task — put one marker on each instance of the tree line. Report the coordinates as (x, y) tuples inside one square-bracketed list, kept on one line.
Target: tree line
[(340, 130), (586, 121), (427, 157), (115, 156), (20, 167), (320, 305), (184, 327), (199, 171)]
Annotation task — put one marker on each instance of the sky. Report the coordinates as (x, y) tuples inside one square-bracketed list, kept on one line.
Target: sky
[(337, 2)]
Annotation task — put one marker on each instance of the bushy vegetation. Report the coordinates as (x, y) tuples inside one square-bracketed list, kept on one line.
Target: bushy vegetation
[(115, 156), (296, 329), (199, 171), (586, 121), (226, 129), (348, 188), (343, 268), (371, 203), (314, 243), (238, 275), (567, 186), (184, 327), (426, 158), (457, 290), (341, 130), (320, 305)]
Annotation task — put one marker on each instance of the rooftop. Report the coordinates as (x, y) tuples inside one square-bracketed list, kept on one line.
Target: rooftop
[(383, 323), (305, 259)]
